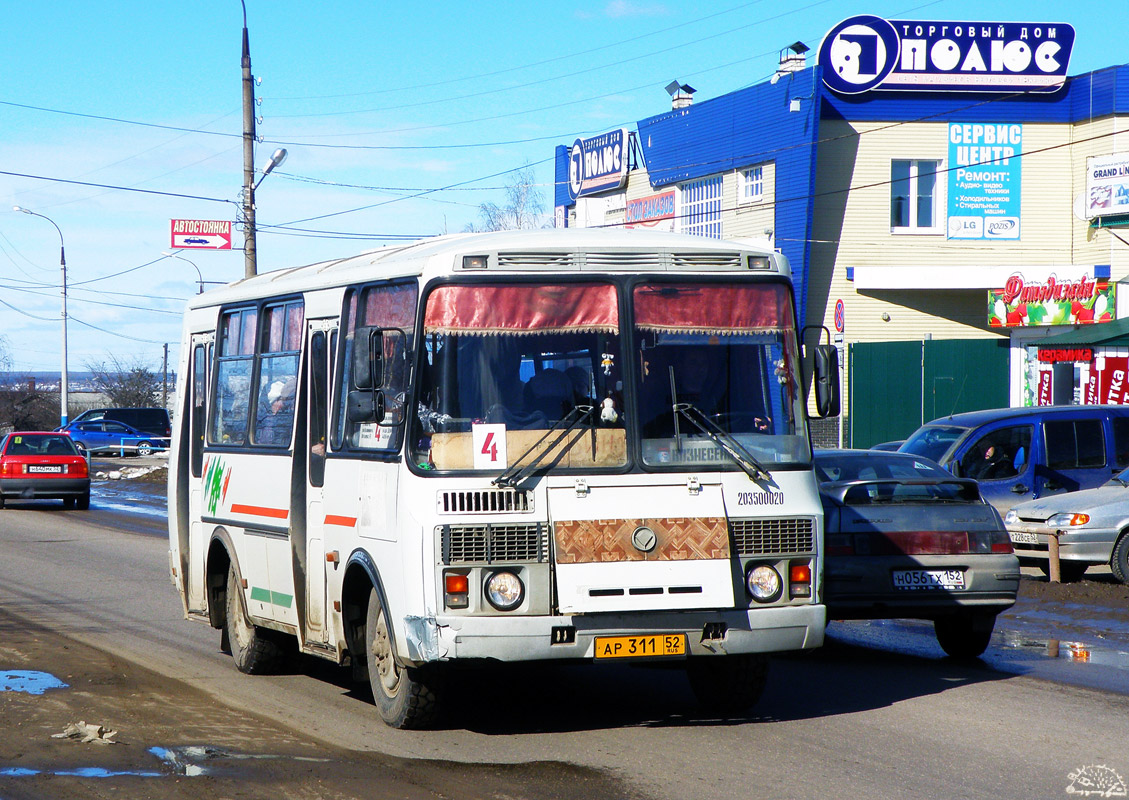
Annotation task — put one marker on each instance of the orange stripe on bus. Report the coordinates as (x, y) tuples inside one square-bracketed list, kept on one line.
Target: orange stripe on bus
[(260, 511), (334, 519)]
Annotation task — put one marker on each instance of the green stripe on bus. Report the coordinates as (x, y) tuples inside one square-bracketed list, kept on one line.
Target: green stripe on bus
[(261, 595)]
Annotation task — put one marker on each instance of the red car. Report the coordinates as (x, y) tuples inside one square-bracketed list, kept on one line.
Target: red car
[(43, 464)]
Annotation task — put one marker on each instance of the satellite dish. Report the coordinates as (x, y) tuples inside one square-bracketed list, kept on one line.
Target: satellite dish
[(1080, 208)]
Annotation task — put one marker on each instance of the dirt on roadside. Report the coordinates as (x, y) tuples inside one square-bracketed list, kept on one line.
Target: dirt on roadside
[(173, 742)]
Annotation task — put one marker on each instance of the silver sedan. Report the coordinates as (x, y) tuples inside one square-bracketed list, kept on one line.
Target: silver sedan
[(1092, 528)]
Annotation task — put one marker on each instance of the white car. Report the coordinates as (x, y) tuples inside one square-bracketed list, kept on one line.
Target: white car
[(1092, 526)]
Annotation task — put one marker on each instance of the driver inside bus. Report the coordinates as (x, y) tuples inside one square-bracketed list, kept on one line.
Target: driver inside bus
[(278, 418)]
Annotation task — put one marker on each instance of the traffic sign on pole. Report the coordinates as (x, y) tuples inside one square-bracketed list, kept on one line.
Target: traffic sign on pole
[(840, 316), (200, 234)]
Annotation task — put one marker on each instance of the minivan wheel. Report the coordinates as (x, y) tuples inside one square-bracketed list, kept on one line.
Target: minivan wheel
[(1119, 563)]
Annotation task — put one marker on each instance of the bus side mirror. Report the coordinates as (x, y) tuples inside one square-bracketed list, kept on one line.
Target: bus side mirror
[(826, 380), (368, 358), (365, 405)]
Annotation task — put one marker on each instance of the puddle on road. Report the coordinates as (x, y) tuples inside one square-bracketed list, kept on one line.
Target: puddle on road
[(1068, 652), (28, 681)]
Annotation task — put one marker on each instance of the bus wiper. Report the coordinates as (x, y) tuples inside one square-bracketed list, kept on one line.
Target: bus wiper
[(571, 421), (744, 459)]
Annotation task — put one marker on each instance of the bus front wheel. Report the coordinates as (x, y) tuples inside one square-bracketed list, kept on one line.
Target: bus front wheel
[(727, 684), (406, 697), (255, 651)]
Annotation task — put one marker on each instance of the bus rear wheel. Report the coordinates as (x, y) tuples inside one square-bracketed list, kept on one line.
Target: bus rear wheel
[(728, 684), (255, 651), (406, 697)]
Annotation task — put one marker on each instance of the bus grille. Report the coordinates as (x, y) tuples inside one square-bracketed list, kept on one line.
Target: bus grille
[(484, 501), (772, 536), (492, 544)]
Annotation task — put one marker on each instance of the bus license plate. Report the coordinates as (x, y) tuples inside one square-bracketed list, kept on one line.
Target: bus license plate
[(649, 646), (929, 579)]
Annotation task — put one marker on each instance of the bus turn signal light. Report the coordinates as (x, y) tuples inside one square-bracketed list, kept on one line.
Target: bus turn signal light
[(456, 590), (799, 580)]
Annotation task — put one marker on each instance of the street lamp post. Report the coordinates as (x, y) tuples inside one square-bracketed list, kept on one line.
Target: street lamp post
[(63, 316), (199, 275), (250, 246)]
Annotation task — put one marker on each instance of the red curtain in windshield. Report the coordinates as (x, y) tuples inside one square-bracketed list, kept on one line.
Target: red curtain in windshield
[(484, 309), (713, 308)]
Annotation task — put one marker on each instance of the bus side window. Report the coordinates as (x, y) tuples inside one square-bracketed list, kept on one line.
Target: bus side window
[(319, 406), (199, 395), (230, 406), (391, 308)]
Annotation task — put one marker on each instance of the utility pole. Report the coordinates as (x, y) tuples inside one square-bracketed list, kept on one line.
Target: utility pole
[(249, 264), (165, 379)]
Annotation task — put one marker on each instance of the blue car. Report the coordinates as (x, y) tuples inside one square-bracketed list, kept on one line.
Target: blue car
[(113, 437)]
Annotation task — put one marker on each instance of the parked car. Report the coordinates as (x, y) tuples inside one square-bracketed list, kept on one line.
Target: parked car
[(1092, 526), (904, 539), (154, 421), (889, 446), (43, 465), (1020, 454), (117, 438)]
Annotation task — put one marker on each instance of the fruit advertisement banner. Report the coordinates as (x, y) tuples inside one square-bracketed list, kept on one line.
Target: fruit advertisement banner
[(1053, 302)]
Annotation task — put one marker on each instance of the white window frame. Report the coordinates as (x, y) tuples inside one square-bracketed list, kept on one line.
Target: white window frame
[(750, 185), (918, 166), (699, 206)]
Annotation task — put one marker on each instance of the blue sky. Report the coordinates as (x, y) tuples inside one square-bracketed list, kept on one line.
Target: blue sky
[(125, 115)]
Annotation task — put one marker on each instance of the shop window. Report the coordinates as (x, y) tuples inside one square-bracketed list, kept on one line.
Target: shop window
[(701, 207), (750, 185), (914, 196), (1074, 444)]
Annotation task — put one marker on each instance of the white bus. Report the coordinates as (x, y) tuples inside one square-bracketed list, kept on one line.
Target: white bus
[(586, 445)]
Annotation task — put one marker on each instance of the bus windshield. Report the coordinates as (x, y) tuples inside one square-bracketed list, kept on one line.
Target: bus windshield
[(505, 363), (720, 358), (713, 364)]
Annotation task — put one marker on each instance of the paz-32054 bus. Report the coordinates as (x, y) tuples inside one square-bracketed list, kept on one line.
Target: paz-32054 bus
[(584, 445)]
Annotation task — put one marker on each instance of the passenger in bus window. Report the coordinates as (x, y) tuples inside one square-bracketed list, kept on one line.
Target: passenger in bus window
[(275, 425)]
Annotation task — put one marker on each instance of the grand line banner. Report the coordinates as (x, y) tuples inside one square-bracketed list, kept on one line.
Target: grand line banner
[(1053, 302)]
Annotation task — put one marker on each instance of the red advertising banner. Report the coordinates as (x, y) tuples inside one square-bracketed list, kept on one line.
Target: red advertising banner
[(1043, 397), (1090, 397), (1114, 388)]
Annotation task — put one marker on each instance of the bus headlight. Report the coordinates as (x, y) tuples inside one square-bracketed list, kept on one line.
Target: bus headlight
[(504, 590), (763, 583)]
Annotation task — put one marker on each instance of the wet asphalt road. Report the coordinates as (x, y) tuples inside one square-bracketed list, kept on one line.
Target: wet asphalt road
[(877, 710)]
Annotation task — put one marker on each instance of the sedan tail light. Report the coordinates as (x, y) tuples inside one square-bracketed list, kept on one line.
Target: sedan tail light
[(918, 543)]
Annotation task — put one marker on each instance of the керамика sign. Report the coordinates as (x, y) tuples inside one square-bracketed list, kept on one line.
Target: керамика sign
[(866, 52)]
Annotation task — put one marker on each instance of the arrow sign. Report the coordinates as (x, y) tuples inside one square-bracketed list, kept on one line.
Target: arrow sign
[(200, 234)]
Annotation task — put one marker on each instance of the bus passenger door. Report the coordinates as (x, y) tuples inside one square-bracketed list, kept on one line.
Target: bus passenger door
[(196, 424), (320, 334)]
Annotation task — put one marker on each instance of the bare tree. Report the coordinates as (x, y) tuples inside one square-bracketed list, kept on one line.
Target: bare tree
[(524, 207), (126, 384), (23, 406)]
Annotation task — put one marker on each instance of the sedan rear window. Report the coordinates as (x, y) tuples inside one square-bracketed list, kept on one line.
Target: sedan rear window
[(40, 445), (892, 479)]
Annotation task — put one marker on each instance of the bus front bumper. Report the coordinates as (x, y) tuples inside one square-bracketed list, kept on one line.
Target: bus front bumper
[(758, 630)]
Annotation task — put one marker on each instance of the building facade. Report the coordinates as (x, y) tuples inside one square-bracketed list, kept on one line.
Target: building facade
[(982, 198)]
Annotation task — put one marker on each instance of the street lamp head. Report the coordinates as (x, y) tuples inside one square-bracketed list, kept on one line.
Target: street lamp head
[(275, 160), (24, 210)]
